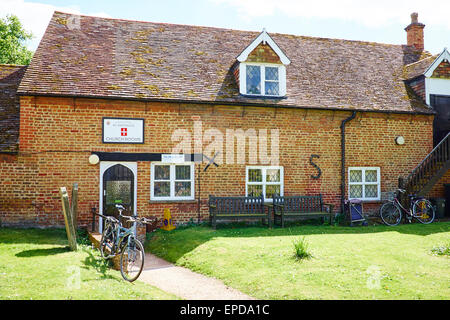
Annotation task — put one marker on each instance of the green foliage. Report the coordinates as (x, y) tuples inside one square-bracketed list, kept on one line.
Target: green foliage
[(12, 39), (301, 248)]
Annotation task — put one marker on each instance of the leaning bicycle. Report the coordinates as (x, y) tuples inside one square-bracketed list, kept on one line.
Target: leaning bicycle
[(118, 240), (420, 208)]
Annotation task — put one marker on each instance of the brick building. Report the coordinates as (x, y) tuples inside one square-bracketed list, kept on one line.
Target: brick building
[(134, 111)]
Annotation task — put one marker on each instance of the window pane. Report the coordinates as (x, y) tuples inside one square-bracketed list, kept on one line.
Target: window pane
[(272, 88), (162, 172), (371, 191), (253, 80), (118, 190), (273, 175), (182, 189), (371, 175), (162, 189), (356, 191), (271, 190), (254, 175), (254, 190), (271, 73), (182, 172), (355, 176)]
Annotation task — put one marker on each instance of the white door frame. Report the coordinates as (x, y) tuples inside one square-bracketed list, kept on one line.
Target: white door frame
[(105, 165)]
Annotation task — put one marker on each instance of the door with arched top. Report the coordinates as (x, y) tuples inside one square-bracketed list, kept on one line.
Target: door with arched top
[(118, 187)]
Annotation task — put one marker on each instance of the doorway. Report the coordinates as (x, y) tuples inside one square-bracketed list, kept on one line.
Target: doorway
[(118, 185)]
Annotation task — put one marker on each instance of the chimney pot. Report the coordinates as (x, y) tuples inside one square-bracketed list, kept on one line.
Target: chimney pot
[(414, 17)]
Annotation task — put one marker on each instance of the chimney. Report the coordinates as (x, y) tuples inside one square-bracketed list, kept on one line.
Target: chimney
[(414, 33)]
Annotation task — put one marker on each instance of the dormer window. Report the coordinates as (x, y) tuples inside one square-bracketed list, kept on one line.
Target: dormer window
[(263, 79), (262, 68)]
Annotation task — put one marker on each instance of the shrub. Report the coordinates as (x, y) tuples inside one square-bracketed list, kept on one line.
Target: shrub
[(301, 249)]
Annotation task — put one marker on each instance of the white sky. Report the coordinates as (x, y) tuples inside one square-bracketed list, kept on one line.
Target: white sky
[(378, 21)]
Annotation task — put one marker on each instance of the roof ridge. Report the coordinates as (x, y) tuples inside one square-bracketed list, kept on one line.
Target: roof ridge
[(422, 60)]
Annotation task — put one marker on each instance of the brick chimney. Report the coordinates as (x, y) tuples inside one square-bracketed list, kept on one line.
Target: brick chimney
[(414, 32)]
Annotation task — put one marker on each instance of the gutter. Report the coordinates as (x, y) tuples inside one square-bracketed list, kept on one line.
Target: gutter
[(343, 158), (224, 103)]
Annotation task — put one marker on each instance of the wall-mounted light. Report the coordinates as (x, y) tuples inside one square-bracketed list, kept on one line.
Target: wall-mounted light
[(400, 140), (94, 159)]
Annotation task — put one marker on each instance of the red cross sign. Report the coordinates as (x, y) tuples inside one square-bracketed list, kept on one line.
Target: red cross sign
[(123, 132)]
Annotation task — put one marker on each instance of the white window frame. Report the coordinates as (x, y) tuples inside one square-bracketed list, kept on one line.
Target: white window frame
[(364, 183), (172, 181), (281, 78), (264, 183)]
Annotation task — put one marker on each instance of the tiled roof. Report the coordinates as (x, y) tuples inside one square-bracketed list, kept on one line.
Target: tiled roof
[(100, 57), (418, 68), (10, 76)]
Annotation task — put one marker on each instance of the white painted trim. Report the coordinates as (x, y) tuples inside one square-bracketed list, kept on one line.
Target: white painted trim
[(440, 87), (264, 183), (445, 55), (265, 38), (105, 165), (172, 182), (363, 183)]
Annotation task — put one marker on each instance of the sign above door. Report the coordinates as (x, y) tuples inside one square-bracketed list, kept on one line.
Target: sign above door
[(123, 130)]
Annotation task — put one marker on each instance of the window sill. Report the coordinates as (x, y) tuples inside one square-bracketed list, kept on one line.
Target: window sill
[(261, 96), (172, 201)]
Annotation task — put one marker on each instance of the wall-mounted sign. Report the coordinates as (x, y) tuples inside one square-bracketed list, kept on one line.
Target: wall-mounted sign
[(172, 158), (123, 130)]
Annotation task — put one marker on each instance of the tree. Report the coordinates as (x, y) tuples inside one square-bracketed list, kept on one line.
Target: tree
[(12, 39)]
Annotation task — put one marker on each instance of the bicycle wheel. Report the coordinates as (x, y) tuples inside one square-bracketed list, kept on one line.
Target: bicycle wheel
[(423, 211), (132, 260), (107, 241), (390, 214)]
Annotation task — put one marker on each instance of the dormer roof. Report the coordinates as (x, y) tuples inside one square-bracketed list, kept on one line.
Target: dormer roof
[(264, 38)]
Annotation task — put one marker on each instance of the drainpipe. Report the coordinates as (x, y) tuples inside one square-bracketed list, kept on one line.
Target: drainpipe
[(343, 158)]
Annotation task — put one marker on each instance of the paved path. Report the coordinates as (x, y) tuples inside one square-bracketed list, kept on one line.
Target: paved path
[(184, 283)]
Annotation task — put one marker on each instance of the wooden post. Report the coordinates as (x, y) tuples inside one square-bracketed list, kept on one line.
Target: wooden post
[(71, 235), (74, 206)]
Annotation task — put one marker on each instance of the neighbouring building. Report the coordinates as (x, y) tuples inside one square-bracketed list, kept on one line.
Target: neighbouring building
[(156, 115)]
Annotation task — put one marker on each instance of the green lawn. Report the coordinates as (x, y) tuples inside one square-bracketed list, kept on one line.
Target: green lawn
[(36, 264), (375, 262)]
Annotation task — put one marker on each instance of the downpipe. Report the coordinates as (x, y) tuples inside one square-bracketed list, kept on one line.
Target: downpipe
[(344, 122)]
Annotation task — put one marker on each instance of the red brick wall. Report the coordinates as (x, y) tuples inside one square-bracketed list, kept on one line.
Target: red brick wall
[(442, 70), (58, 135), (419, 87)]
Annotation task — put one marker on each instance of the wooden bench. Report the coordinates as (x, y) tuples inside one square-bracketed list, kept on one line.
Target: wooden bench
[(237, 208), (303, 207)]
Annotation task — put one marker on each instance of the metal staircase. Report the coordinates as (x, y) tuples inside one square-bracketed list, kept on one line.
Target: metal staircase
[(430, 170)]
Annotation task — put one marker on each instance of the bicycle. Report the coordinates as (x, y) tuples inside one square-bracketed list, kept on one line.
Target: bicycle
[(118, 240), (419, 208)]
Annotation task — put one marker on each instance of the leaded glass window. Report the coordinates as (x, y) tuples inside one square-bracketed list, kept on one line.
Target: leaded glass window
[(172, 181), (364, 183), (253, 79), (265, 181), (263, 80)]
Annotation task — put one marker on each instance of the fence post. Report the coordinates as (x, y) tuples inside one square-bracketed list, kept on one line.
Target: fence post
[(71, 235)]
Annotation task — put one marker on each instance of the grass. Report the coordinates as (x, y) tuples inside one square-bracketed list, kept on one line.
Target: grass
[(301, 248), (37, 264), (375, 262)]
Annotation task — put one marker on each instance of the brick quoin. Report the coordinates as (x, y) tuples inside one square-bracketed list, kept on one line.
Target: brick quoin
[(57, 135)]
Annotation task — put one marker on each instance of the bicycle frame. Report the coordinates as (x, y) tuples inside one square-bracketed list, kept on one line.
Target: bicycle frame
[(408, 212)]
